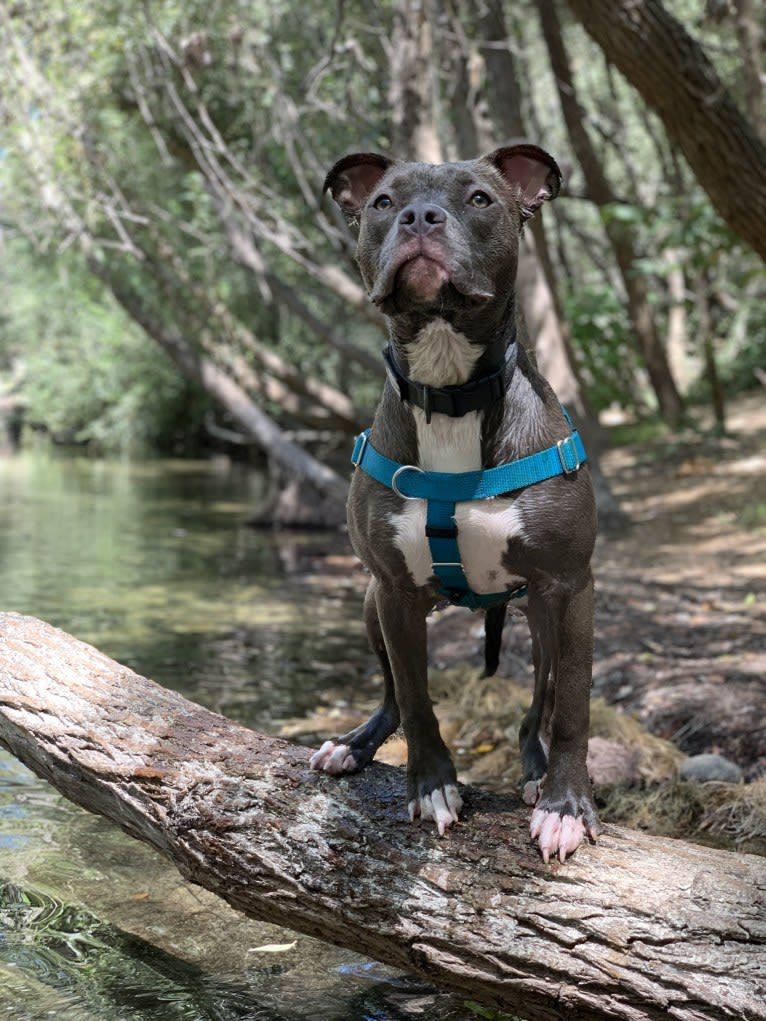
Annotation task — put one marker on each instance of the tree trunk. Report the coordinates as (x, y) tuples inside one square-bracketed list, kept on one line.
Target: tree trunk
[(675, 78), (414, 133), (678, 331), (535, 281), (706, 320), (601, 192), (636, 928), (225, 390)]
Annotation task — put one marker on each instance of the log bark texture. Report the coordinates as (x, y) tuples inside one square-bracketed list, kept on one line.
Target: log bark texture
[(635, 928)]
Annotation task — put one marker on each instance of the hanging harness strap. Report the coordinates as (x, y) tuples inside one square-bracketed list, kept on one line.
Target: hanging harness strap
[(442, 490)]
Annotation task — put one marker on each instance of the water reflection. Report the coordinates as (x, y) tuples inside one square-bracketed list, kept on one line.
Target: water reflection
[(61, 948), (154, 564)]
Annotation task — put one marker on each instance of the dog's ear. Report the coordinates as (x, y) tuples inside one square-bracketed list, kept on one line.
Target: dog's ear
[(531, 171), (353, 178)]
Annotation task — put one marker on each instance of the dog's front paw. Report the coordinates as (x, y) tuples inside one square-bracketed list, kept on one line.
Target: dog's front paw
[(334, 758), (442, 806)]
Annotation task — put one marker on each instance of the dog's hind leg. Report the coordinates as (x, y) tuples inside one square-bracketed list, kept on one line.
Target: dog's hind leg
[(534, 728), (565, 811), (352, 751)]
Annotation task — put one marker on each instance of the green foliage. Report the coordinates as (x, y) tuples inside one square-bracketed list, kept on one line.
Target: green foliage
[(599, 329), (85, 371)]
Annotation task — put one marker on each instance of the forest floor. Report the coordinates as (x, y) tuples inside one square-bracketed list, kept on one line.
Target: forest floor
[(680, 664)]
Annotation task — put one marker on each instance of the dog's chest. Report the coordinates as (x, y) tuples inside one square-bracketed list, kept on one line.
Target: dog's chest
[(454, 445), (484, 526)]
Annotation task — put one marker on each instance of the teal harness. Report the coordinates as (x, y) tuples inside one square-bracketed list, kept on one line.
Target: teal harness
[(442, 490)]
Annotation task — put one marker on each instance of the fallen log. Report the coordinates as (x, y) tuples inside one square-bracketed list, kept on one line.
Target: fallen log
[(634, 928)]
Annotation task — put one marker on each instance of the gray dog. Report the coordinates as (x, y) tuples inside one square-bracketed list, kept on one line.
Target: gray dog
[(470, 485)]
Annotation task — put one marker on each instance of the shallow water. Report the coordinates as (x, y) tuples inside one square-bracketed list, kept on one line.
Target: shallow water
[(154, 563)]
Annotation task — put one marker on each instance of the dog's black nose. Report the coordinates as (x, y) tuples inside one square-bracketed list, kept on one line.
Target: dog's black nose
[(422, 218)]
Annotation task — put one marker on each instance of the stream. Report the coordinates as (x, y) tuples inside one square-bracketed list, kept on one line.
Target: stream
[(153, 562)]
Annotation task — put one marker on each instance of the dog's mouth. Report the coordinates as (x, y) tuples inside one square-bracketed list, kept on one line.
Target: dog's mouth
[(423, 276)]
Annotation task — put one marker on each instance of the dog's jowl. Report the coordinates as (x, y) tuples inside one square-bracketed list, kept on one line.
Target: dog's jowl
[(470, 485)]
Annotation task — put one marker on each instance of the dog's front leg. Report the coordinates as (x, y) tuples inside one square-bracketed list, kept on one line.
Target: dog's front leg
[(354, 750), (565, 811), (431, 778)]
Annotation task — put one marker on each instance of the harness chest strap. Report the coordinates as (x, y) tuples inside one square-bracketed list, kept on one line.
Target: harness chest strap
[(442, 490)]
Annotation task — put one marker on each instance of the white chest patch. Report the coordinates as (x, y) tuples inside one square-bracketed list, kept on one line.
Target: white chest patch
[(442, 357), (484, 528)]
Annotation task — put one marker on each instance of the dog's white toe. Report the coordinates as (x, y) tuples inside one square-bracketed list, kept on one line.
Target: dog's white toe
[(556, 833), (440, 806), (333, 758)]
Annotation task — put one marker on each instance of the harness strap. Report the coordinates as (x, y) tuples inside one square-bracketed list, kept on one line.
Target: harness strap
[(442, 490), (413, 483)]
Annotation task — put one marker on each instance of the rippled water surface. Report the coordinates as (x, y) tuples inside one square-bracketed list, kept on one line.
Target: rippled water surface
[(154, 564)]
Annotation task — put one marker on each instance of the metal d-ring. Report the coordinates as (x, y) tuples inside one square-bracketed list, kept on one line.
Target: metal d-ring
[(397, 473)]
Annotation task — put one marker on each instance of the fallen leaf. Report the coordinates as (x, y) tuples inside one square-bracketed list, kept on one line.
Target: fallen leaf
[(483, 748)]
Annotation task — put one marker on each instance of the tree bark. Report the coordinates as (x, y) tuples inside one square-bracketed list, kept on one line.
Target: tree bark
[(635, 928), (751, 36), (672, 73), (414, 132), (621, 237)]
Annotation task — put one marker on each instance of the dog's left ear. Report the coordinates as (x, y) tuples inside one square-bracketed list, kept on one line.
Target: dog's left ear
[(353, 179), (531, 171)]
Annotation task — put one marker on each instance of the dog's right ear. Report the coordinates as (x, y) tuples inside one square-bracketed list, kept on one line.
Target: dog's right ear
[(353, 178)]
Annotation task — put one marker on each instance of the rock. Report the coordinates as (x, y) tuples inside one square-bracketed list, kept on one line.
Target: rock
[(705, 768), (612, 762)]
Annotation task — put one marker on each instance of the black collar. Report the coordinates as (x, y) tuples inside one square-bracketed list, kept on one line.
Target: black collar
[(454, 401)]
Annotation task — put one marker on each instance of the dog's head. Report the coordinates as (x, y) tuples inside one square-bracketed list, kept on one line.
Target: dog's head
[(441, 238)]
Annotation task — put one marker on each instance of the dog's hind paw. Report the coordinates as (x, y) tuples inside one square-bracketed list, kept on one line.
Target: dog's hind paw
[(530, 793), (441, 805), (334, 758), (556, 833)]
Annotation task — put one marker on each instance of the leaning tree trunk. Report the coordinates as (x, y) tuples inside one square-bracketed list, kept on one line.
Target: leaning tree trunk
[(634, 929), (621, 237), (675, 78), (223, 388)]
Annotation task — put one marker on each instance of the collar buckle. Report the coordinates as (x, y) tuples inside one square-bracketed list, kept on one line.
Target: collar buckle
[(567, 451), (359, 448)]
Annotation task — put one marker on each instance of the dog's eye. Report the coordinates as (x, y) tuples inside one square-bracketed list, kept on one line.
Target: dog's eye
[(382, 202), (480, 200)]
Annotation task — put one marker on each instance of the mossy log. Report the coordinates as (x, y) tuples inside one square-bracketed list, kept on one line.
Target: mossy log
[(632, 928)]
